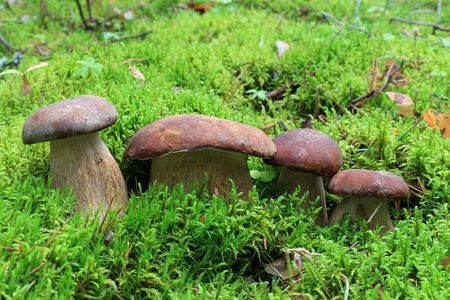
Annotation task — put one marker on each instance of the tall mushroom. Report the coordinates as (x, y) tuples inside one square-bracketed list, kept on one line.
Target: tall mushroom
[(78, 155), (306, 156), (185, 147), (366, 194)]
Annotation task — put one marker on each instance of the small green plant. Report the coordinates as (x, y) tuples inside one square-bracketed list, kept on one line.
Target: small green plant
[(89, 68), (257, 94)]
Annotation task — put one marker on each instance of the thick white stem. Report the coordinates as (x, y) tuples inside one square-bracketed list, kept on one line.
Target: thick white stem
[(364, 207), (190, 167), (309, 182), (85, 163)]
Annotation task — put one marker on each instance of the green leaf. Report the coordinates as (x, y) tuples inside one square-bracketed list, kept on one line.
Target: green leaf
[(267, 175), (10, 72), (255, 174), (446, 42)]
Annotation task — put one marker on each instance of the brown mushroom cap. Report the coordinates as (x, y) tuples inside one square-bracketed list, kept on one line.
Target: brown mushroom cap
[(70, 117), (188, 132), (366, 183), (307, 150)]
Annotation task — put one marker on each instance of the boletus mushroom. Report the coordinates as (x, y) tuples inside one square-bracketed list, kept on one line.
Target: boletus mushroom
[(185, 147), (307, 155), (366, 194), (78, 155)]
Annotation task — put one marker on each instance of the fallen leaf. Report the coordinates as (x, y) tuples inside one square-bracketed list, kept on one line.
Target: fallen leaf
[(282, 48), (445, 262), (128, 15), (39, 65), (43, 50), (442, 121), (135, 72), (404, 103), (279, 268), (25, 87), (202, 8)]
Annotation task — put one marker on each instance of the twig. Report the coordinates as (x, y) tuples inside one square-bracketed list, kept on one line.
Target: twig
[(86, 26), (335, 35), (349, 248), (106, 215), (126, 258), (347, 286), (110, 222), (7, 45), (373, 214), (89, 11), (81, 287), (131, 37), (234, 82), (435, 26), (38, 268), (328, 16), (281, 90), (53, 236)]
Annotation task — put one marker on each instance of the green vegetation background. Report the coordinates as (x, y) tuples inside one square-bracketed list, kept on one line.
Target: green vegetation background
[(187, 245)]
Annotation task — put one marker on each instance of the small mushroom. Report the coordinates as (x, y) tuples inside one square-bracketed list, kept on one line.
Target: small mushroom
[(366, 194), (306, 156), (78, 155), (185, 147)]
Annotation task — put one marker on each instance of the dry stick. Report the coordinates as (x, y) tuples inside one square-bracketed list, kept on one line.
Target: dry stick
[(106, 215), (9, 248), (53, 236), (81, 287), (7, 45), (435, 26), (328, 16), (89, 11), (335, 35), (390, 74), (131, 37), (234, 82), (280, 90), (334, 100), (38, 268), (81, 15), (349, 248), (110, 222), (126, 258), (373, 214)]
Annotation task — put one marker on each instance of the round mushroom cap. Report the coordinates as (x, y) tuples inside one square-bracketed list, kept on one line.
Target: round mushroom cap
[(366, 183), (307, 150), (188, 132), (70, 117)]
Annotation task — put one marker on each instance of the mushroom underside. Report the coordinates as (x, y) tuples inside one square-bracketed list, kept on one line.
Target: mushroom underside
[(364, 207), (289, 180), (85, 163), (189, 168)]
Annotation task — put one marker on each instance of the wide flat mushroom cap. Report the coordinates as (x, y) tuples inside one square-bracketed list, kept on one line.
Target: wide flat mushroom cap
[(188, 132), (307, 150), (70, 117), (366, 183)]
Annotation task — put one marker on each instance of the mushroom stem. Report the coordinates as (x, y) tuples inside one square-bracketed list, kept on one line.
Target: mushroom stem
[(308, 182), (85, 163), (365, 207), (190, 167)]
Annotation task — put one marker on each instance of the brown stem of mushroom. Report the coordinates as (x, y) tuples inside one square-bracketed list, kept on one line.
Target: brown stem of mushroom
[(308, 182), (85, 163), (190, 168)]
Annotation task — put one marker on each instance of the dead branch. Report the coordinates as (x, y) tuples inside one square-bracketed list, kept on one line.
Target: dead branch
[(328, 16), (435, 26), (281, 90), (131, 37)]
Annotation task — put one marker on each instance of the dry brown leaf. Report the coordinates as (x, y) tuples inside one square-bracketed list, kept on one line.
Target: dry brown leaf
[(43, 50), (440, 120), (25, 87), (279, 268), (39, 65), (445, 262), (404, 103), (136, 73)]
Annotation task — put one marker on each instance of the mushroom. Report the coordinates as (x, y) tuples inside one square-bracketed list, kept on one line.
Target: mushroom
[(185, 147), (306, 156), (367, 194), (78, 155)]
